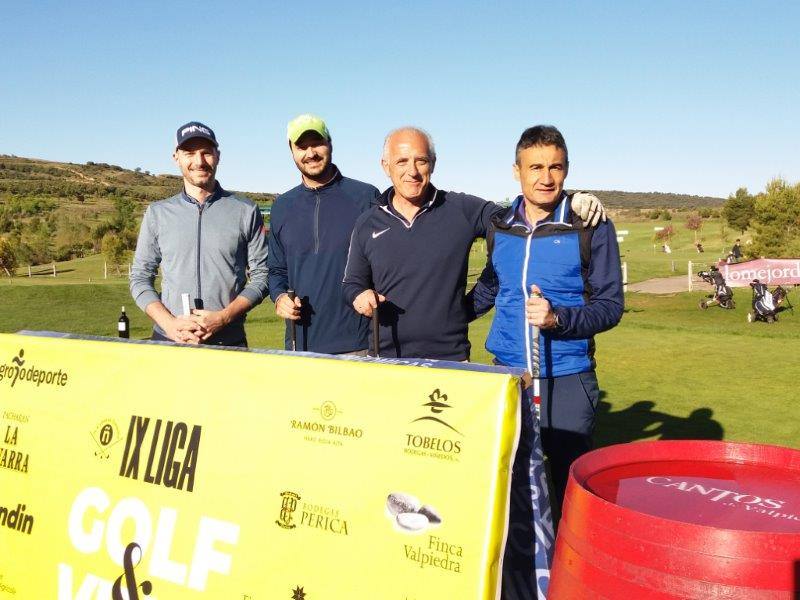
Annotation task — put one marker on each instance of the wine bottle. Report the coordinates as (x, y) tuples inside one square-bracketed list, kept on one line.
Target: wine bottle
[(123, 325)]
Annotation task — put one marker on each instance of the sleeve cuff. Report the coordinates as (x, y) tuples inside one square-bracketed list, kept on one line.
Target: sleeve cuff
[(144, 299), (276, 292), (254, 296), (351, 293), (561, 320)]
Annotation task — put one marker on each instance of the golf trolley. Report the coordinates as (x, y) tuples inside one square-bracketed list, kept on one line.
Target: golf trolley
[(766, 304), (723, 294)]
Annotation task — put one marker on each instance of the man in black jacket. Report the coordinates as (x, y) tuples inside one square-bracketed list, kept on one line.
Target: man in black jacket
[(413, 249), (309, 235)]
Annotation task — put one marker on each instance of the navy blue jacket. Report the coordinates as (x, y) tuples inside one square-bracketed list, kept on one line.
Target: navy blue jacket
[(309, 236), (421, 268), (578, 272)]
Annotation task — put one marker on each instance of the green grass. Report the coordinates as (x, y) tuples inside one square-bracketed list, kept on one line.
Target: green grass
[(643, 254), (645, 259), (636, 249), (94, 310), (669, 370), (681, 359), (82, 270)]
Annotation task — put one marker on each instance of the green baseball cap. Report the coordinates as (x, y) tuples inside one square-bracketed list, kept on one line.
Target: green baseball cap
[(306, 122)]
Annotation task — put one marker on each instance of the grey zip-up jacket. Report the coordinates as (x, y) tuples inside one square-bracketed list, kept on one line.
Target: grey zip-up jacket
[(203, 250)]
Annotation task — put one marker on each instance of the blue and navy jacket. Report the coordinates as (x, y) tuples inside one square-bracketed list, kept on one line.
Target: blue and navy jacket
[(309, 236), (578, 271)]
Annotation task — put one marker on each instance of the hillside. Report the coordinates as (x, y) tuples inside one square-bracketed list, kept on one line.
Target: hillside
[(30, 177), (59, 211), (56, 211), (76, 185), (617, 199)]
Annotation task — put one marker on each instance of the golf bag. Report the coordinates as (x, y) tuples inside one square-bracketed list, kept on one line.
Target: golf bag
[(766, 305), (723, 294), (763, 304), (779, 296)]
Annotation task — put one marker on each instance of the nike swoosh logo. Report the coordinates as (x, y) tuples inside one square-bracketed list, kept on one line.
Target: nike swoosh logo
[(376, 234)]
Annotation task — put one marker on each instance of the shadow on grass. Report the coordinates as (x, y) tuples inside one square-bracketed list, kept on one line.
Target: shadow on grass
[(641, 421)]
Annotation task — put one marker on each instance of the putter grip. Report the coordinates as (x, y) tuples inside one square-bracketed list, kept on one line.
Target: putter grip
[(292, 295), (535, 354), (376, 334)]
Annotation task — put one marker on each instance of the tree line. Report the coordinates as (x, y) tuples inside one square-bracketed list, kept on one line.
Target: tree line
[(655, 200), (772, 216)]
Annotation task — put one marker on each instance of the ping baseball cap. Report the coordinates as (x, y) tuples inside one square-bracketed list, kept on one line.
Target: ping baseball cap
[(306, 122), (194, 129)]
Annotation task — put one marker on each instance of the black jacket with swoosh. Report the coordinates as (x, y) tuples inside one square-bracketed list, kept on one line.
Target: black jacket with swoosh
[(421, 268)]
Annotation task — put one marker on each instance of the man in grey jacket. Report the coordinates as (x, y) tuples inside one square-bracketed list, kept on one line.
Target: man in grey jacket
[(205, 239)]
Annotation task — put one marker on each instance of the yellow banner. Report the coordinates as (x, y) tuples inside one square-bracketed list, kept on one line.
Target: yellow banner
[(138, 470)]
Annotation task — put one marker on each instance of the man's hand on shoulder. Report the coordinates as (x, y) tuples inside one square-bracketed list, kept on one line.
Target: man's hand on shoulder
[(589, 208)]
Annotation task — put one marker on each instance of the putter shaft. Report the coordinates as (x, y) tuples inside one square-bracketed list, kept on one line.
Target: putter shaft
[(292, 295), (535, 362), (376, 334)]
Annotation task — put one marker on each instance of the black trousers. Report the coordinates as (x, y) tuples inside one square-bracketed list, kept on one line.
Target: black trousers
[(568, 411)]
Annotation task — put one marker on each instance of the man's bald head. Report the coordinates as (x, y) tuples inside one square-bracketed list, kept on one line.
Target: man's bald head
[(408, 135), (408, 159)]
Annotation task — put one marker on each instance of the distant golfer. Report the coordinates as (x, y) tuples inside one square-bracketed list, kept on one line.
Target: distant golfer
[(205, 240), (736, 251)]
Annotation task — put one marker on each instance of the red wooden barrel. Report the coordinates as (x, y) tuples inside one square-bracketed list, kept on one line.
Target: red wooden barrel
[(680, 519)]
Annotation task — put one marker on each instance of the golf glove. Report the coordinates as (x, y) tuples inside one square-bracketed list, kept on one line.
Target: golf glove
[(589, 208)]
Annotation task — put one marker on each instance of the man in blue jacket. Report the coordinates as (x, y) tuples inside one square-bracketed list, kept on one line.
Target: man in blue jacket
[(548, 274), (572, 291), (309, 235)]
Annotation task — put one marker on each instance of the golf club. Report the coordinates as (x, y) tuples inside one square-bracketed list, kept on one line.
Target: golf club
[(185, 304), (376, 336), (535, 363), (788, 304), (293, 328)]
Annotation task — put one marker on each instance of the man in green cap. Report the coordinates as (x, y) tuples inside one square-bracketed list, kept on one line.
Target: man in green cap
[(309, 236)]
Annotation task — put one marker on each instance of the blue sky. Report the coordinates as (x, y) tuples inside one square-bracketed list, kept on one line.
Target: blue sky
[(689, 97)]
